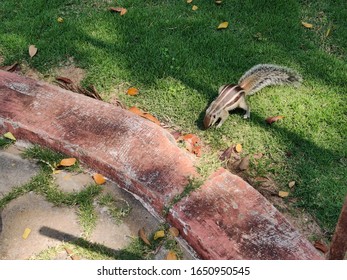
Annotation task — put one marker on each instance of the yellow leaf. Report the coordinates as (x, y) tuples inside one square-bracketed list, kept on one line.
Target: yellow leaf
[(238, 148), (67, 162), (56, 171), (99, 179), (194, 8), (132, 91), (283, 194), (26, 233), (306, 24), (171, 255), (189, 1), (32, 50), (143, 236), (159, 234), (291, 184), (10, 136), (60, 19), (223, 25)]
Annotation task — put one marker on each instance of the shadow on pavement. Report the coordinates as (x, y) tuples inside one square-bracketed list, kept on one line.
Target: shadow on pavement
[(95, 247)]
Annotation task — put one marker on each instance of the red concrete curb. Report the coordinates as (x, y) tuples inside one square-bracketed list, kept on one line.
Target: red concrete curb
[(225, 219), (228, 219)]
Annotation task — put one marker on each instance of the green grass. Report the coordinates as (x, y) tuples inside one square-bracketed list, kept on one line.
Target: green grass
[(178, 59)]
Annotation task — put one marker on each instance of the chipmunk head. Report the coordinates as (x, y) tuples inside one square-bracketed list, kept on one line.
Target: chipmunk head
[(228, 95)]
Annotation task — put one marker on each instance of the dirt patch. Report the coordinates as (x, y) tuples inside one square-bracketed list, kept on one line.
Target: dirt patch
[(75, 74)]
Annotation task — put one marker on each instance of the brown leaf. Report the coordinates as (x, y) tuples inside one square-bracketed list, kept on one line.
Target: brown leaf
[(132, 91), (10, 68), (143, 236), (174, 231), (244, 164), (227, 153), (171, 255), (271, 120), (64, 80), (32, 50), (196, 150), (191, 138), (120, 10), (151, 118), (261, 179), (321, 246), (99, 179), (136, 111), (192, 143), (67, 162)]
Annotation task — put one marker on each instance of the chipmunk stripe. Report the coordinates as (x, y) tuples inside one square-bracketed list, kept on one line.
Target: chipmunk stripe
[(229, 95)]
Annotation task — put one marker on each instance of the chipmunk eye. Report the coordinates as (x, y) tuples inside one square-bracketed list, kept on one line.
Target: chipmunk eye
[(214, 116)]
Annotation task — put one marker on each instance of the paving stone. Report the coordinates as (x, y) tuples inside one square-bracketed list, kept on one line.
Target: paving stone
[(15, 171), (228, 219), (49, 226), (72, 182)]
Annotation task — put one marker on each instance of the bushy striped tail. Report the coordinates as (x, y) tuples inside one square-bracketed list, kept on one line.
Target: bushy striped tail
[(263, 75)]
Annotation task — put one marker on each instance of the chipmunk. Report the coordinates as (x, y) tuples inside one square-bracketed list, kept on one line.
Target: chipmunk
[(233, 96)]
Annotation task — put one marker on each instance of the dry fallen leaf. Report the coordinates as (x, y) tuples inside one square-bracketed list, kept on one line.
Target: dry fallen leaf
[(99, 179), (136, 111), (321, 246), (291, 184), (120, 10), (67, 162), (271, 120), (192, 143), (189, 1), (10, 136), (171, 255), (194, 8), (132, 91), (218, 2), (244, 164), (10, 68), (151, 118), (60, 19), (283, 194), (227, 153), (159, 234), (174, 231), (306, 24), (64, 79), (26, 233), (32, 50), (143, 236), (223, 25)]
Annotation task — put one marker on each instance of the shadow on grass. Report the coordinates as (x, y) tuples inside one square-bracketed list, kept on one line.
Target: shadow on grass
[(92, 247)]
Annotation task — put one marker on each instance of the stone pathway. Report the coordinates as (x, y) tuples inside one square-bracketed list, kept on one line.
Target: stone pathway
[(52, 226)]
